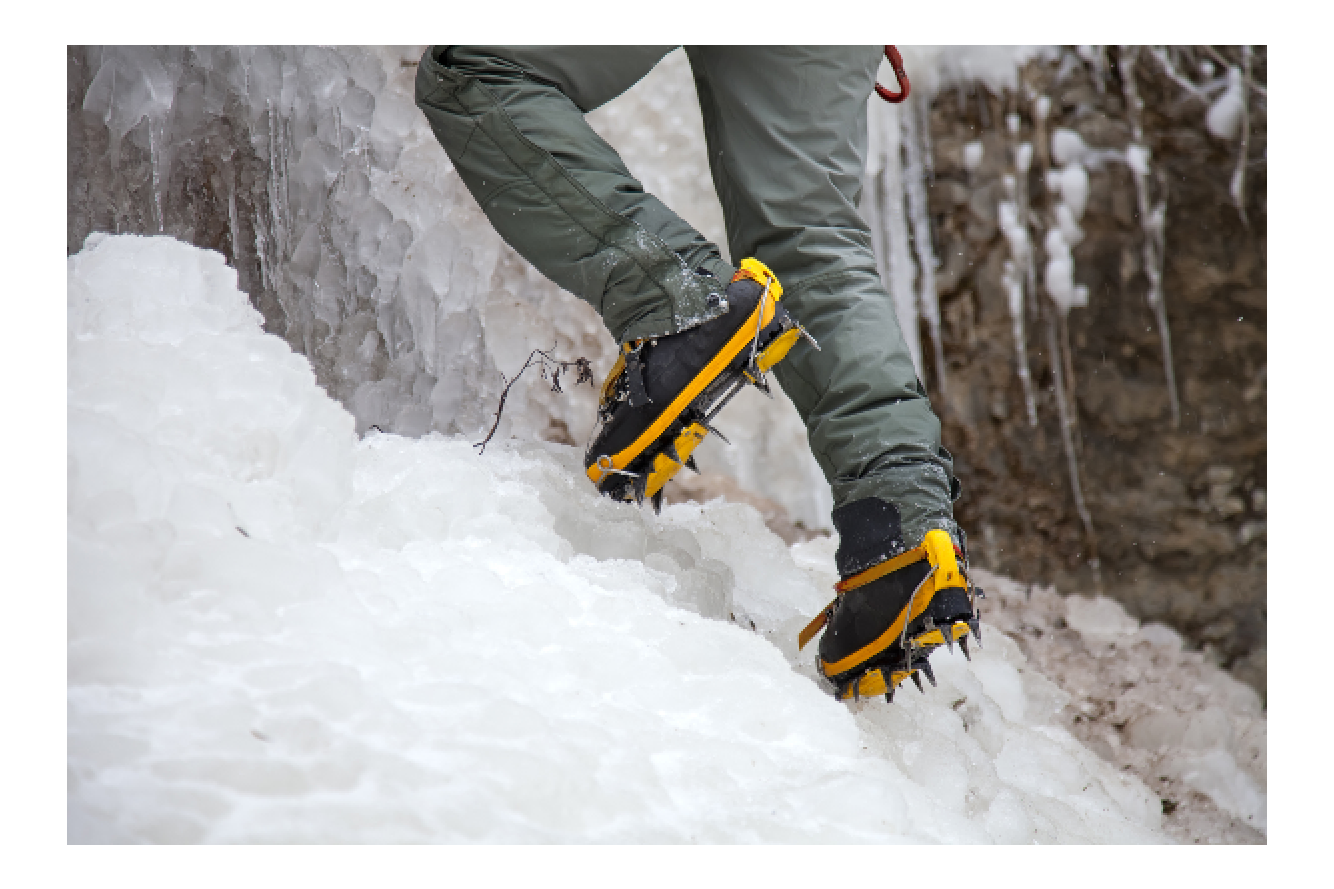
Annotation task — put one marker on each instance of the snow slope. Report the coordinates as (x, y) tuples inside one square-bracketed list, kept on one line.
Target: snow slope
[(279, 632)]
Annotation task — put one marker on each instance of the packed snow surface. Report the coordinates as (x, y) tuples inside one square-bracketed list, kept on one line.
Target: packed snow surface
[(279, 632)]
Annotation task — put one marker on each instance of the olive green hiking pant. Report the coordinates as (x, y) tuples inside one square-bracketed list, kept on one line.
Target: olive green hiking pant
[(786, 135)]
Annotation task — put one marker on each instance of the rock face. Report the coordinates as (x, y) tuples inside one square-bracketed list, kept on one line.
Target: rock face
[(1177, 506), (311, 171)]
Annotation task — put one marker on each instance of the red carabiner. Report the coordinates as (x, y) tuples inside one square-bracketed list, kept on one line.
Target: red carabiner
[(895, 62)]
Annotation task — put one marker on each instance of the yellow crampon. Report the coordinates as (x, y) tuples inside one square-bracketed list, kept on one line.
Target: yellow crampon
[(936, 548), (672, 454), (945, 574)]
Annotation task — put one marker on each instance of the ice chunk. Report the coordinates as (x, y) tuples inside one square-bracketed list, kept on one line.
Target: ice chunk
[(1224, 116), (1160, 634), (1099, 620), (1067, 146), (1075, 189), (1058, 277), (1137, 158), (972, 156), (1216, 774), (1071, 234), (1023, 156)]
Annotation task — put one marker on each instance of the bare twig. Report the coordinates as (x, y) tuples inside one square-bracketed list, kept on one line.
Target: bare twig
[(1166, 63), (582, 366)]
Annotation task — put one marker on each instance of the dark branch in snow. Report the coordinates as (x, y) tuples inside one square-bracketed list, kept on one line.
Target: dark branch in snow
[(584, 373)]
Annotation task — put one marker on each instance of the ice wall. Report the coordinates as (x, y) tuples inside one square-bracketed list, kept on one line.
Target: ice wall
[(280, 632)]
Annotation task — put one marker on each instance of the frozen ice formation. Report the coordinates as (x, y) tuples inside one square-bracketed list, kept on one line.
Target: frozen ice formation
[(1224, 116), (972, 156), (1059, 277), (280, 632)]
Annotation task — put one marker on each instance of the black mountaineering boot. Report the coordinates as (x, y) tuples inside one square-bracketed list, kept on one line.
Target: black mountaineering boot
[(659, 401), (894, 605)]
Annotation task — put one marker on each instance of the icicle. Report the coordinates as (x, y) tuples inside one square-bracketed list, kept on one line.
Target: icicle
[(233, 222), (1070, 185), (1238, 188), (1018, 187), (919, 212), (1012, 217), (1013, 282), (275, 191), (262, 241), (928, 160), (1096, 58), (1063, 412), (896, 252), (155, 162), (1152, 220), (1059, 280)]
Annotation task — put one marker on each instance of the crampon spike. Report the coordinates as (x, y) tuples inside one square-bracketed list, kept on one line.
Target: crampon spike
[(656, 500), (690, 464), (917, 681), (706, 425), (640, 487), (976, 629), (759, 382), (930, 674), (948, 632), (963, 646)]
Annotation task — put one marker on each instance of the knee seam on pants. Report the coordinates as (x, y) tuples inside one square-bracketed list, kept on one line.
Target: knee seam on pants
[(500, 191), (807, 283)]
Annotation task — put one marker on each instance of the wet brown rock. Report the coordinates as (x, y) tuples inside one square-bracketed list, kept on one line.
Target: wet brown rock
[(1169, 540)]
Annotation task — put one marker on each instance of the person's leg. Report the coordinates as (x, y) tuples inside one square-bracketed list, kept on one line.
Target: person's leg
[(786, 134), (512, 121)]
